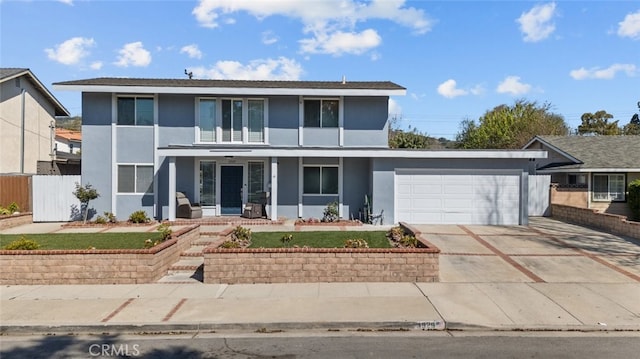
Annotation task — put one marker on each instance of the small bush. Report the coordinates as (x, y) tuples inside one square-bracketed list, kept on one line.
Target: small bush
[(356, 243), (230, 244), (286, 239), (139, 217), (331, 212), (634, 199), (149, 243), (13, 208), (111, 218), (409, 241), (22, 244), (4, 212), (241, 234), (165, 231), (101, 220)]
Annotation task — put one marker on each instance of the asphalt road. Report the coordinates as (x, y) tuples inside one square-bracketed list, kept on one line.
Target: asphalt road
[(329, 345)]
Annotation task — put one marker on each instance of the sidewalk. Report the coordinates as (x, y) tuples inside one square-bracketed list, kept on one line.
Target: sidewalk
[(366, 306)]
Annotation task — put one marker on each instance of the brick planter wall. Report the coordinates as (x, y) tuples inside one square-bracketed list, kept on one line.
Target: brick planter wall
[(15, 220), (611, 223), (119, 266), (299, 265)]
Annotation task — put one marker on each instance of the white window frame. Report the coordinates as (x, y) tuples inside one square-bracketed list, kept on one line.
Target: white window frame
[(216, 120), (595, 195), (135, 98), (321, 99), (321, 169), (135, 178)]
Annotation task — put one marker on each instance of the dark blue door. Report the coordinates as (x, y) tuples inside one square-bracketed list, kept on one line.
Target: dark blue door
[(231, 190)]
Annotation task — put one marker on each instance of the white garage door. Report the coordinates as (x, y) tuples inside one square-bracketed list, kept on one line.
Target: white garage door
[(457, 198)]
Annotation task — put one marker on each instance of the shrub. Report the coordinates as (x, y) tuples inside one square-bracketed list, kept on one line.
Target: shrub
[(22, 244), (139, 217), (399, 238), (240, 238), (286, 239), (149, 243), (230, 244), (331, 212), (84, 195), (111, 218), (13, 208), (356, 243), (4, 212), (634, 199), (165, 231), (409, 241), (101, 220)]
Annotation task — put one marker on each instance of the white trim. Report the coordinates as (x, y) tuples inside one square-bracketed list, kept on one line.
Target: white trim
[(172, 188), (196, 127), (300, 121), (349, 152), (588, 170), (340, 187), (300, 186), (230, 90), (341, 121), (156, 160), (274, 188), (265, 135), (555, 148), (609, 199), (114, 154), (244, 133)]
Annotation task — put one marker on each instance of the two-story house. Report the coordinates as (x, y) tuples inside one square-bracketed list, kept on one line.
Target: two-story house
[(27, 120), (305, 143)]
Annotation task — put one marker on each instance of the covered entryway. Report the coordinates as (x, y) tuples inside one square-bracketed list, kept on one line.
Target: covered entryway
[(231, 190), (457, 197)]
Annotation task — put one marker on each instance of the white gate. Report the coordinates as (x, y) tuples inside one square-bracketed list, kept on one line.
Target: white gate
[(53, 199), (539, 203)]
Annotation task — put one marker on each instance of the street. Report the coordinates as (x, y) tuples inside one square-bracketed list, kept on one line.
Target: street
[(323, 344)]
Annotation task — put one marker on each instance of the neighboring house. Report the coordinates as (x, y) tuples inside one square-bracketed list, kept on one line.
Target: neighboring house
[(302, 144), (66, 159), (68, 141), (27, 121), (590, 171)]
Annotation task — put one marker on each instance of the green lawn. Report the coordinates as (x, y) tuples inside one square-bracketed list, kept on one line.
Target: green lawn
[(322, 239), (84, 240)]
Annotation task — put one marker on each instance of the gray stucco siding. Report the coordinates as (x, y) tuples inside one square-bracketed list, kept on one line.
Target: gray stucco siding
[(320, 137), (129, 203), (365, 121), (283, 120), (96, 109), (356, 173), (134, 144), (96, 164)]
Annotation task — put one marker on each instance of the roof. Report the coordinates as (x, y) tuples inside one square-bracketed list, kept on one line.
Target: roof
[(69, 135), (7, 74), (594, 152), (194, 86)]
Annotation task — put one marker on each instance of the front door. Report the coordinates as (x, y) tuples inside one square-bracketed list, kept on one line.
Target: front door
[(231, 190)]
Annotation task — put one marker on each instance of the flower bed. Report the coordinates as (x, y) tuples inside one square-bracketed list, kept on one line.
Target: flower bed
[(90, 266), (317, 222), (297, 265)]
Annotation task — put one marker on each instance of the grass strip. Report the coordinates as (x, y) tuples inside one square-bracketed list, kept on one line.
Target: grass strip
[(48, 241), (320, 239)]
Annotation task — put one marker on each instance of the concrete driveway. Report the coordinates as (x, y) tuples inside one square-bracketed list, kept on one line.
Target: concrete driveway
[(546, 251)]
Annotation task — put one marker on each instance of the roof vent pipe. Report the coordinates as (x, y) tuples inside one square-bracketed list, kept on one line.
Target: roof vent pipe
[(344, 79)]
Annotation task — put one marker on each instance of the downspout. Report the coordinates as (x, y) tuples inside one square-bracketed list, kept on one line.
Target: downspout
[(22, 120)]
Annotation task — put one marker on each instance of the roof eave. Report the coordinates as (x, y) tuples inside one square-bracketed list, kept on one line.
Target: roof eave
[(59, 109)]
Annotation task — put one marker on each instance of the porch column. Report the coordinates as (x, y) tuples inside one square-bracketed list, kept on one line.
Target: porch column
[(340, 187), (274, 188), (172, 188)]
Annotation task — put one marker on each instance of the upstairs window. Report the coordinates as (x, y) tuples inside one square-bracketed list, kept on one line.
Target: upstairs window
[(232, 120), (207, 119), (135, 111), (608, 187), (321, 113)]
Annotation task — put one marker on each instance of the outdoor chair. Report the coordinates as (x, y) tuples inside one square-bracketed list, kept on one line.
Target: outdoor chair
[(185, 209), (377, 218)]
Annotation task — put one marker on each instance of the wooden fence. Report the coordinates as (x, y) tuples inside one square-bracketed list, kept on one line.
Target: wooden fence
[(16, 188)]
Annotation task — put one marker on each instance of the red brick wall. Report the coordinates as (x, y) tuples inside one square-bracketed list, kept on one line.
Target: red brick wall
[(299, 265), (612, 223), (128, 266)]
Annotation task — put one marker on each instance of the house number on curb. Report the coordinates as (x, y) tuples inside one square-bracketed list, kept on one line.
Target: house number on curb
[(430, 325)]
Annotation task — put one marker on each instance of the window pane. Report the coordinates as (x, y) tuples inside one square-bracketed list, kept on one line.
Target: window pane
[(600, 187), (616, 187), (329, 113), (144, 111), (329, 180), (256, 121), (207, 109), (237, 120), (226, 120), (256, 181), (312, 113), (126, 111), (144, 179), (311, 179), (207, 183), (126, 179)]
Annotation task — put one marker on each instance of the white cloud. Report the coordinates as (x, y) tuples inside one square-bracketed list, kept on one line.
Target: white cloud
[(68, 2), (448, 89), (281, 68), (630, 26), (133, 54), (477, 90), (603, 74), (536, 24), (394, 108), (513, 86), (330, 21), (192, 50), (269, 38), (96, 65), (71, 51), (339, 42)]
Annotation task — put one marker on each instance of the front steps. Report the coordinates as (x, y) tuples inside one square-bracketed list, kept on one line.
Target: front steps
[(189, 268)]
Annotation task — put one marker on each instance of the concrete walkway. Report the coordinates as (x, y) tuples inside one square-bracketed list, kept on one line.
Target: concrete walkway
[(547, 276)]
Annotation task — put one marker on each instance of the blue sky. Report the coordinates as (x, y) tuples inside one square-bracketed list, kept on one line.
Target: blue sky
[(457, 59)]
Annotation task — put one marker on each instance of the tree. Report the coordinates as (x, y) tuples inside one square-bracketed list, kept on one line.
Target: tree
[(84, 195), (598, 124), (510, 127), (407, 139), (633, 127)]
